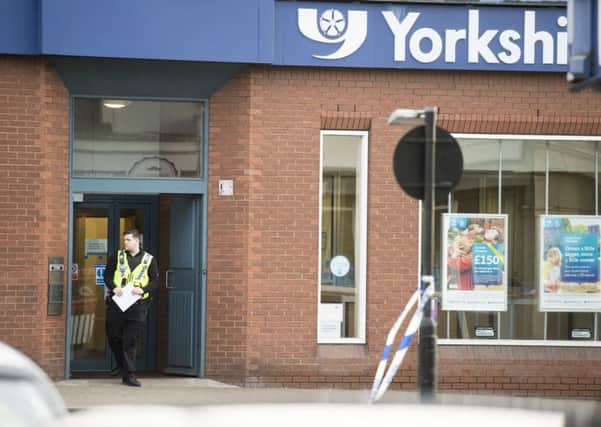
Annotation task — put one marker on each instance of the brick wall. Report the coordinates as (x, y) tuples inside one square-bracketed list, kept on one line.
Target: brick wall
[(536, 371), (262, 255), (277, 198), (228, 233), (287, 111), (34, 159)]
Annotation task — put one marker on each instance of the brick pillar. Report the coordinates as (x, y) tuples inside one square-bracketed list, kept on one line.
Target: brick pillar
[(34, 162), (228, 233)]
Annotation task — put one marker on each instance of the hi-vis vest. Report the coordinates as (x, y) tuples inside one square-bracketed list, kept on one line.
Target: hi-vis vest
[(139, 276)]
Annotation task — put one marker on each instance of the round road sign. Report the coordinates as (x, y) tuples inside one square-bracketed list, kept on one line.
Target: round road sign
[(408, 163)]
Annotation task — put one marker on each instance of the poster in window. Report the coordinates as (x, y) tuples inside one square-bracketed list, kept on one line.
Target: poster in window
[(474, 261), (569, 263), (330, 321)]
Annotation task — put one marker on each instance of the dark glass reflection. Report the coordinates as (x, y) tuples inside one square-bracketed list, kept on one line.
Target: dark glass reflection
[(137, 139)]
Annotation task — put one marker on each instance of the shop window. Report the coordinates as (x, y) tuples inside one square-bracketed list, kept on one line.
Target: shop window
[(121, 138), (524, 178), (343, 228)]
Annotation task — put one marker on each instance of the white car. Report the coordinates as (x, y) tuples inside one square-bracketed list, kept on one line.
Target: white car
[(28, 397), (310, 414)]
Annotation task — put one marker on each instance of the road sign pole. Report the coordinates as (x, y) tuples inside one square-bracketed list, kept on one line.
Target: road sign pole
[(427, 164), (426, 373)]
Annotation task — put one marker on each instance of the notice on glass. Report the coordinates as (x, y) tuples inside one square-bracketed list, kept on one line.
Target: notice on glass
[(569, 263), (474, 264), (330, 321), (95, 247), (127, 299)]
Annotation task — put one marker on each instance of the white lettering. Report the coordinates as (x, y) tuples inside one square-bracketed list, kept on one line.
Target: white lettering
[(400, 31), (562, 41), (486, 45), (478, 45), (562, 48), (531, 37), (514, 52), (415, 45), (450, 46)]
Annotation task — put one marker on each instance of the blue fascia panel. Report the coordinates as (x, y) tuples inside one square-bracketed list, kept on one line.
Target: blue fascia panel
[(413, 35), (217, 31), (19, 24), (266, 34)]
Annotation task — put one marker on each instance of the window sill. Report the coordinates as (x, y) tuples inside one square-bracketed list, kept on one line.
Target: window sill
[(519, 343), (342, 341)]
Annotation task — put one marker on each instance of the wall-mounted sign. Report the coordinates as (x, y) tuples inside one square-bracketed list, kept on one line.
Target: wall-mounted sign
[(568, 260), (474, 274), (226, 187), (421, 36)]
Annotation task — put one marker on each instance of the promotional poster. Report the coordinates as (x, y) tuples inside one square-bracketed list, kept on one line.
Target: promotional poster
[(474, 264), (569, 263)]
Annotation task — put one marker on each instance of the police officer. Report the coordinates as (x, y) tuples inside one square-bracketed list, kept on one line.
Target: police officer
[(130, 265)]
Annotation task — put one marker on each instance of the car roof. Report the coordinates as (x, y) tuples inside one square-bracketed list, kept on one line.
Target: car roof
[(15, 365), (311, 414)]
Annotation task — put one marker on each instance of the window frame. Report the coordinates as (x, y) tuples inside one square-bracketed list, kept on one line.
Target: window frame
[(361, 283), (596, 342), (174, 185)]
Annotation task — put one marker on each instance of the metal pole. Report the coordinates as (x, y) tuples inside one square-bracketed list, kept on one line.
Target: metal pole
[(426, 372)]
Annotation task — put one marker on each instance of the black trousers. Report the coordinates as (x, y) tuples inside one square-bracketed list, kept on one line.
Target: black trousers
[(123, 330)]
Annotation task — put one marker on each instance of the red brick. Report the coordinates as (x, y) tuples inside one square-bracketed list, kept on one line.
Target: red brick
[(262, 242)]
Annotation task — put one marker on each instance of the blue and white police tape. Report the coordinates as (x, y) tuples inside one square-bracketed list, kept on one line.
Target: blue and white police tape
[(380, 386), (389, 342)]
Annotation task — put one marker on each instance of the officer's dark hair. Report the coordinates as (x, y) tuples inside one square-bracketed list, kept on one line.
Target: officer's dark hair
[(134, 233)]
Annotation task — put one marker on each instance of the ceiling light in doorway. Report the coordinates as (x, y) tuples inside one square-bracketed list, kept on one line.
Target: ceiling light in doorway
[(115, 103)]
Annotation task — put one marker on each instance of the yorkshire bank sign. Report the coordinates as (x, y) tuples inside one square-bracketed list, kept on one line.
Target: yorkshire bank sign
[(421, 36)]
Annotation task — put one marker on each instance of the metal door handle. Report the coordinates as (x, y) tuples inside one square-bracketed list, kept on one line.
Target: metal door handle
[(168, 284)]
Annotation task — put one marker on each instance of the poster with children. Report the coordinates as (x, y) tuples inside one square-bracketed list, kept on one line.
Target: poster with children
[(569, 263), (474, 264)]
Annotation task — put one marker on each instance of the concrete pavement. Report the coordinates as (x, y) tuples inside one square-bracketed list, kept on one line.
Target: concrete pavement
[(81, 394), (180, 391)]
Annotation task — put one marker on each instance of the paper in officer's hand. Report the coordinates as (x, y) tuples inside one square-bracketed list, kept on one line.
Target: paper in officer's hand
[(127, 299)]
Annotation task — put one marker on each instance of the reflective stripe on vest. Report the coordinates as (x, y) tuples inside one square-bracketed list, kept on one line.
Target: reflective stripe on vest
[(139, 276)]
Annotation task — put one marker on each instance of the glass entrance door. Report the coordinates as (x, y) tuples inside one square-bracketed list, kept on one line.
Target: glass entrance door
[(90, 250), (98, 226)]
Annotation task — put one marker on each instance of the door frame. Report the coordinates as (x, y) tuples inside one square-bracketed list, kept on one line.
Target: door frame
[(114, 203), (78, 186)]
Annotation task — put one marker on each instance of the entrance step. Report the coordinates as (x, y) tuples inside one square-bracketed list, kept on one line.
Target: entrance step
[(180, 391)]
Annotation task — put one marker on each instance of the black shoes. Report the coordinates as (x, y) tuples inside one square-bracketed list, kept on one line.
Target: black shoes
[(115, 371), (131, 380)]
